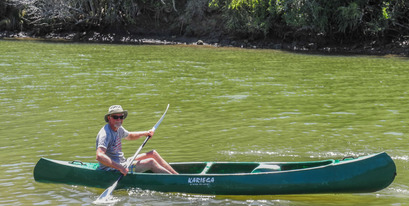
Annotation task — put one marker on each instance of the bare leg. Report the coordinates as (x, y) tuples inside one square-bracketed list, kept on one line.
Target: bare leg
[(160, 161), (149, 164)]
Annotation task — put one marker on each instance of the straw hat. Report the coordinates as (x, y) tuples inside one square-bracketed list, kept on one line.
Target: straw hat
[(115, 109)]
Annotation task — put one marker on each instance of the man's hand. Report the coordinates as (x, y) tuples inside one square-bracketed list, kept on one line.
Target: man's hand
[(150, 133), (124, 171)]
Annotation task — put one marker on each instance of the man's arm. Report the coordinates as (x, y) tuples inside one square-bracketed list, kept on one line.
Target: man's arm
[(137, 135), (105, 160)]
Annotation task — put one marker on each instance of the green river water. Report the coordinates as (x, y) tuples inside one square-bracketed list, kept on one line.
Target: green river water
[(226, 104)]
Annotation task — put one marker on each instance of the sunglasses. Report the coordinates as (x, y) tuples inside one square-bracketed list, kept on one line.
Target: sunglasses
[(118, 117)]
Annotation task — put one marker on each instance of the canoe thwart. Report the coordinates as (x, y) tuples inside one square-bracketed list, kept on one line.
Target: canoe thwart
[(266, 168)]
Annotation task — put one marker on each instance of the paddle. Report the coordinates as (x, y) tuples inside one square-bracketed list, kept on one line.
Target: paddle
[(103, 197)]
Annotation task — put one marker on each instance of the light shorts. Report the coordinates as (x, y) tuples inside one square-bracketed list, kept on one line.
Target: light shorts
[(131, 167)]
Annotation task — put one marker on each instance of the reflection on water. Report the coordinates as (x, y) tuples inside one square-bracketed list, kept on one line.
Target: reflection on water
[(226, 105)]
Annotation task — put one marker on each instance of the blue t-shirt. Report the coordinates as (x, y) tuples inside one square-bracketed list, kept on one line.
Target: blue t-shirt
[(112, 142)]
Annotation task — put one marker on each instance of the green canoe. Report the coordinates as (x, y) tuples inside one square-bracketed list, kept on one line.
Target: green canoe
[(349, 175)]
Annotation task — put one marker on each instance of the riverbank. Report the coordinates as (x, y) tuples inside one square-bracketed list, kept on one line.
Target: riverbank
[(398, 48)]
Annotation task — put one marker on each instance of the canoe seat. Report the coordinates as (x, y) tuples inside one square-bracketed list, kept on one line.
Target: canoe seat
[(266, 168)]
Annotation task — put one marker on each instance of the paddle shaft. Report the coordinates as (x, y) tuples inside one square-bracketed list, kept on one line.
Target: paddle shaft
[(129, 162), (132, 159)]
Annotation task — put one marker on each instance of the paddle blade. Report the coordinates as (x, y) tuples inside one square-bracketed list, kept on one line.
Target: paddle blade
[(106, 194), (160, 120)]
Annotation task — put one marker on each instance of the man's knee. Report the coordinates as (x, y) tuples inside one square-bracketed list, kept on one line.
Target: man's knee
[(153, 153)]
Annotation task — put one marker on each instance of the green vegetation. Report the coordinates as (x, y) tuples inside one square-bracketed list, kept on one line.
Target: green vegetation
[(343, 20), (335, 21)]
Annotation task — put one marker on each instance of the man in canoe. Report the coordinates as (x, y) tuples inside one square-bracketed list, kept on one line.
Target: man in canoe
[(109, 146)]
